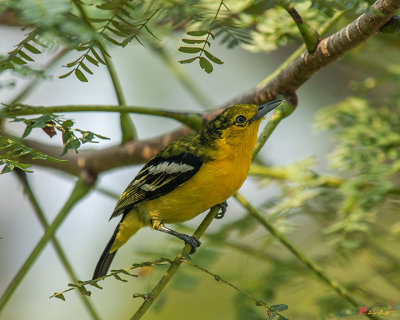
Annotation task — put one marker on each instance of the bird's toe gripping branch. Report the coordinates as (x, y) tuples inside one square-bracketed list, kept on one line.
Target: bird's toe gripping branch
[(223, 206), (192, 240)]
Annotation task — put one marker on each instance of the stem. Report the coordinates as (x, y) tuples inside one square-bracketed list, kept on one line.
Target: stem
[(191, 119), (334, 284), (218, 278), (328, 181), (128, 129), (79, 192), (300, 49), (22, 176), (152, 296), (284, 110), (209, 31)]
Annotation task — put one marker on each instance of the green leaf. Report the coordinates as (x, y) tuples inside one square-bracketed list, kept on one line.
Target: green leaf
[(66, 75), (24, 55), (72, 144), (84, 67), (59, 296), (212, 57), (188, 60), (205, 65), (189, 49), (18, 61), (84, 291), (40, 43), (117, 32), (7, 168), (67, 123), (92, 60), (111, 40), (67, 136), (195, 41), (79, 74), (271, 315), (7, 65), (82, 48), (110, 5), (279, 307), (87, 136), (101, 137), (150, 32), (197, 33), (97, 56), (116, 276), (73, 63), (94, 284), (27, 131), (31, 48)]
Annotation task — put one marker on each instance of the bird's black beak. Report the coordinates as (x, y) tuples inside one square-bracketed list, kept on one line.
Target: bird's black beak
[(265, 108)]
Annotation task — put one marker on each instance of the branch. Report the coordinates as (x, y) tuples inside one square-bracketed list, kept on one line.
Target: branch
[(327, 51), (285, 83), (193, 120), (128, 129), (220, 279), (152, 296)]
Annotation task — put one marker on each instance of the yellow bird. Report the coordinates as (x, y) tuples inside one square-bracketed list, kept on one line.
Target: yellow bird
[(187, 177)]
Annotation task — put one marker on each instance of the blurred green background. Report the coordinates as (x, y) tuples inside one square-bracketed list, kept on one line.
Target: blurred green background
[(368, 265)]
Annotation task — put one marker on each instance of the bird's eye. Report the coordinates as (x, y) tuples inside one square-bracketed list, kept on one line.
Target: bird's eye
[(240, 119)]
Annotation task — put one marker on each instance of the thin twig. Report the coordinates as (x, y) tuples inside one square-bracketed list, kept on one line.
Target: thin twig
[(220, 279), (193, 120), (114, 273), (127, 127), (287, 81), (152, 296)]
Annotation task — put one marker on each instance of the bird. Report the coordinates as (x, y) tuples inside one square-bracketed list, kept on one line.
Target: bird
[(187, 177)]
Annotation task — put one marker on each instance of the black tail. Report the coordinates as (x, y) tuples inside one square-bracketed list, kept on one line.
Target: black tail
[(106, 258)]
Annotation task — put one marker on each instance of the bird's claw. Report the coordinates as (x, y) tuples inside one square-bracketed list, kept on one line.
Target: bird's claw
[(222, 211), (193, 241)]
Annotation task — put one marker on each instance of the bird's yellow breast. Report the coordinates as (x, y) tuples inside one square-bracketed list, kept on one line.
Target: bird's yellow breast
[(214, 183)]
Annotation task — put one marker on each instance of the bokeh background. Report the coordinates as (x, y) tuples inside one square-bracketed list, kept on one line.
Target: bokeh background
[(147, 81)]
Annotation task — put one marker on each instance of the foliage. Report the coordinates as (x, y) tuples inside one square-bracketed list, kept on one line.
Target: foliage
[(367, 150), (338, 219), (89, 29), (50, 124), (12, 149)]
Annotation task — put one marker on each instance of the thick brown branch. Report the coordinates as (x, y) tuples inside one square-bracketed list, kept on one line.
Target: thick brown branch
[(286, 83), (93, 162), (328, 50)]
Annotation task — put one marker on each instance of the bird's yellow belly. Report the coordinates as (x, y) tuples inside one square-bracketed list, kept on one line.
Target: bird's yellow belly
[(219, 180)]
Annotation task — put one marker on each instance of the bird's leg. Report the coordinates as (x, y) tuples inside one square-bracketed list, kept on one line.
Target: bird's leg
[(193, 241), (222, 207)]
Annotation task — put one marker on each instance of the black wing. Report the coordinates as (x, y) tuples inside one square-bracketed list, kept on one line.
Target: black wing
[(157, 178)]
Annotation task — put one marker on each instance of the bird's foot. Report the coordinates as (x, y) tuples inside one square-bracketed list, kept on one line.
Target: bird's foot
[(222, 207), (192, 240)]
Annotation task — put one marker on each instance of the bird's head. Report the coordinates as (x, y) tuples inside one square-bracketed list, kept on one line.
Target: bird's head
[(238, 121)]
